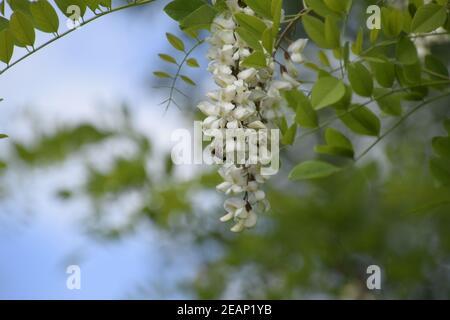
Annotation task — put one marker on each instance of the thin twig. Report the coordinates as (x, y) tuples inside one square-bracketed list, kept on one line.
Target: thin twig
[(130, 5), (398, 123)]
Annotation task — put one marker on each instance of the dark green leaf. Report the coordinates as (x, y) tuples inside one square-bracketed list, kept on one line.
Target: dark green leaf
[(361, 120), (180, 9)]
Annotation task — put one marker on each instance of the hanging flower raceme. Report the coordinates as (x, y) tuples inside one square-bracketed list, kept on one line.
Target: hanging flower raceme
[(245, 99)]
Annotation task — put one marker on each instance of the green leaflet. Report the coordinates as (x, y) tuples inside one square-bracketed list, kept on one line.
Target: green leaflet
[(180, 9), (306, 116), (176, 42), (6, 44), (44, 16), (406, 52), (337, 144), (313, 170), (256, 60), (315, 29), (327, 91), (22, 29), (361, 120), (201, 18), (428, 18), (360, 79)]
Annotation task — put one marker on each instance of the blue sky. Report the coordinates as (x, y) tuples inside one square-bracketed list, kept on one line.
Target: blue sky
[(77, 78)]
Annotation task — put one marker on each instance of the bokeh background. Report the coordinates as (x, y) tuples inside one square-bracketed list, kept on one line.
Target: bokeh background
[(89, 182)]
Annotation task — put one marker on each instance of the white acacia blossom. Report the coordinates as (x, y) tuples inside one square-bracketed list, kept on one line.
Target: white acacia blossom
[(245, 99)]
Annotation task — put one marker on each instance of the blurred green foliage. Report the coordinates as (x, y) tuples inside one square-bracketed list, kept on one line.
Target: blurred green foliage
[(319, 237)]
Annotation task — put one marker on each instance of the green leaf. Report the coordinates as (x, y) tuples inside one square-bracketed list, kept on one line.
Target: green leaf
[(447, 126), (176, 42), (341, 6), (256, 60), (6, 45), (332, 33), (192, 62), (360, 79), (334, 138), (389, 102), (391, 21), (201, 18), (44, 16), (323, 58), (261, 7), (249, 38), (268, 40), (20, 5), (327, 91), (187, 80), (180, 9), (22, 29), (168, 58), (319, 7), (289, 135), (93, 4), (361, 120), (346, 100), (409, 75), (428, 18), (384, 73), (71, 8), (439, 71), (337, 144), (440, 169), (251, 24), (315, 29), (306, 116), (441, 146), (277, 7), (406, 52), (4, 23), (107, 3), (161, 74), (313, 170), (3, 136), (357, 46)]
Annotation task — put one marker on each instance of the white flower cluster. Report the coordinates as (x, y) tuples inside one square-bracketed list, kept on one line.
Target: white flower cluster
[(245, 99)]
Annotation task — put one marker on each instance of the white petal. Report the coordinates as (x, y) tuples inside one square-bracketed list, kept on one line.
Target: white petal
[(250, 222), (298, 46), (227, 217), (224, 187), (297, 58), (260, 195), (247, 74), (232, 204), (241, 213), (239, 227), (209, 108), (257, 125)]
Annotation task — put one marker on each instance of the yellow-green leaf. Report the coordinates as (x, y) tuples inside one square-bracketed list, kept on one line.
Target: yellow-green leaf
[(22, 28), (176, 42), (327, 91), (44, 16)]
